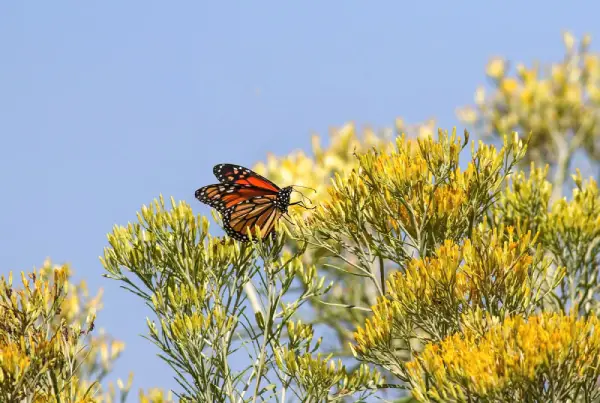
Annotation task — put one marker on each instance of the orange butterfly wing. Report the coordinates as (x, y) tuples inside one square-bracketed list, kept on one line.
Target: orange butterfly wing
[(246, 200), (230, 173), (223, 196), (259, 211)]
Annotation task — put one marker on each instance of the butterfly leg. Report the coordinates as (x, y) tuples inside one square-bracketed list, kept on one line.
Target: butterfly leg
[(301, 204)]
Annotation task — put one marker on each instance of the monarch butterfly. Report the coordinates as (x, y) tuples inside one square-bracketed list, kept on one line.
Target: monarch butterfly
[(246, 199)]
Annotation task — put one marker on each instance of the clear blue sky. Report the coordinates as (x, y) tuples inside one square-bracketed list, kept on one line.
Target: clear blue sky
[(104, 105)]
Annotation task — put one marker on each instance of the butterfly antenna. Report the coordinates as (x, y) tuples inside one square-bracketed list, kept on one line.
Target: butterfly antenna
[(305, 187)]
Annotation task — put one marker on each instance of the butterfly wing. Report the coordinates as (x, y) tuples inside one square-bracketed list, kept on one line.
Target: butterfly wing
[(225, 195), (259, 211), (245, 199), (229, 173)]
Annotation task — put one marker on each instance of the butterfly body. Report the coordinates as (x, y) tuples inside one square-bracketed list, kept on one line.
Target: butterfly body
[(283, 199), (246, 200)]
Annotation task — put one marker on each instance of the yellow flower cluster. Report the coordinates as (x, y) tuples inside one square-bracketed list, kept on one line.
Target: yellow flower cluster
[(404, 180), (571, 232), (45, 322), (338, 157), (155, 395), (197, 325), (315, 170), (579, 217), (321, 376), (524, 202), (43, 329), (493, 273), (568, 230), (549, 357), (78, 303), (418, 189), (26, 349), (550, 106)]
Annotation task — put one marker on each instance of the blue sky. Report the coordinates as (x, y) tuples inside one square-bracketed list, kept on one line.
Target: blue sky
[(105, 105)]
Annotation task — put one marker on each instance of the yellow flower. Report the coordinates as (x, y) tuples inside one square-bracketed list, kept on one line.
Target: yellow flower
[(155, 395), (569, 40), (496, 68), (517, 358), (509, 85)]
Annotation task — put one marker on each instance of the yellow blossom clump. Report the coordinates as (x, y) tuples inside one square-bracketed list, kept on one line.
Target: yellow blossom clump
[(327, 379), (35, 338), (320, 376), (48, 328), (576, 221), (155, 395), (494, 272), (571, 232), (316, 170), (524, 202), (496, 68), (558, 104), (409, 199), (548, 357)]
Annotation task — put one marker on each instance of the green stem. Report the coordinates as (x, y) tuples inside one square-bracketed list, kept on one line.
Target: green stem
[(382, 274), (267, 321), (55, 386)]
